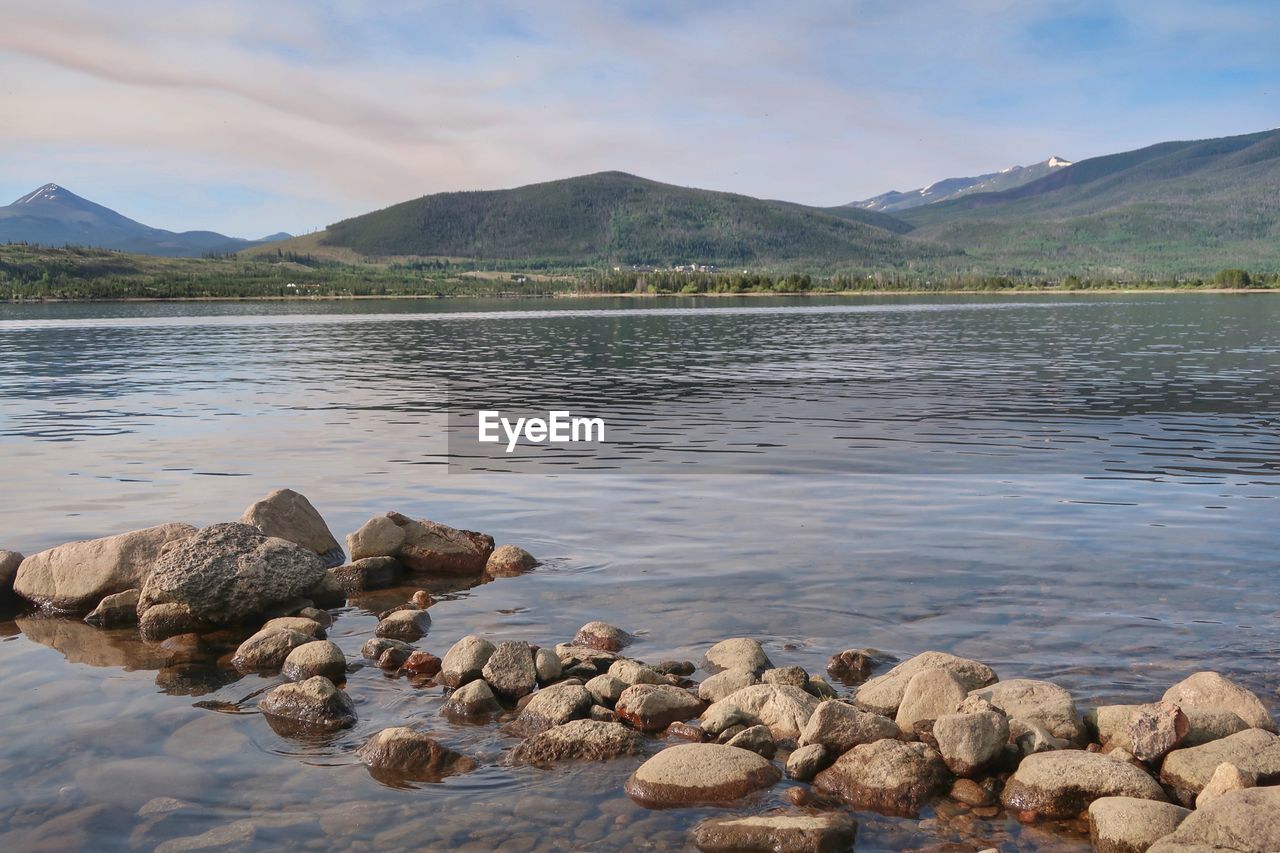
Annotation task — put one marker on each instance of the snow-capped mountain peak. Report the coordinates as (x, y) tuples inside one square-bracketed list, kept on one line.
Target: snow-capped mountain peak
[(48, 192), (1057, 162)]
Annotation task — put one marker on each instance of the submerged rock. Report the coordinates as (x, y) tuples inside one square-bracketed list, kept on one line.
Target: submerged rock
[(1245, 821), (508, 561), (779, 831), (369, 573), (883, 694), (510, 670), (314, 703), (1211, 691), (737, 653), (422, 663), (887, 776), (166, 620), (375, 647), (76, 576), (1130, 825), (318, 657), (402, 753), (699, 774), (586, 740), (1187, 771), (1062, 784), (116, 610), (465, 660), (266, 650), (285, 514), (653, 707)]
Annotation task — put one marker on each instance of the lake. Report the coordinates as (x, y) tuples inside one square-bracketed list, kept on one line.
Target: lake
[(1076, 488)]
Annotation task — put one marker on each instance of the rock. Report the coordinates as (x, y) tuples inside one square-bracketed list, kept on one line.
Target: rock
[(116, 610), (404, 625), (465, 660), (1209, 690), (1187, 771), (805, 763), (374, 647), (587, 740), (509, 560), (969, 743), (725, 683), (1130, 825), (473, 699), (301, 624), (606, 689), (887, 776), (285, 514), (547, 666), (9, 562), (602, 714), (723, 716), (378, 537), (883, 694), (737, 653), (840, 727), (757, 739), (266, 650), (1039, 702), (228, 572), (392, 660), (76, 576), (166, 620), (1244, 821), (422, 663), (1226, 778), (681, 668), (237, 835), (972, 794), (510, 671), (1110, 723), (328, 592), (319, 657), (818, 686), (441, 550), (653, 707), (631, 672), (572, 655), (1155, 729), (402, 753), (311, 703), (793, 675), (784, 709), (1063, 783), (552, 706), (853, 666), (699, 774), (315, 614), (366, 574), (602, 636), (929, 694), (685, 731), (1032, 738), (777, 832)]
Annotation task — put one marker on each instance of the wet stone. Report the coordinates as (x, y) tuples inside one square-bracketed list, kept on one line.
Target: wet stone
[(319, 657), (403, 753), (806, 762), (314, 703), (700, 773), (509, 671), (422, 663), (465, 660), (888, 776), (585, 740), (778, 831), (405, 625), (602, 636), (737, 653), (473, 699), (653, 707), (757, 739)]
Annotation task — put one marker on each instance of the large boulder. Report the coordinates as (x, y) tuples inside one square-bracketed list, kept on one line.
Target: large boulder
[(839, 727), (226, 573), (783, 708), (1245, 821), (1038, 702), (76, 576), (780, 831), (314, 703), (287, 515), (653, 707), (969, 743), (1187, 771), (887, 776), (1110, 724), (883, 694), (700, 774), (422, 546), (930, 693), (1131, 825), (1062, 783), (587, 740), (1209, 690), (400, 753)]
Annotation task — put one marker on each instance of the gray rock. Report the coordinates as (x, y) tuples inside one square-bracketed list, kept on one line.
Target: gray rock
[(285, 514), (226, 573), (314, 703), (378, 537), (757, 739), (839, 727), (301, 624), (737, 653), (1063, 783), (883, 694), (699, 773), (602, 636), (508, 561), (725, 683), (1241, 821), (318, 657), (266, 650), (1226, 778), (793, 675), (510, 671), (585, 740), (1032, 738), (806, 762), (887, 776), (375, 647), (1155, 729), (1131, 825), (653, 707), (929, 694), (969, 743), (547, 666), (784, 709), (778, 831), (631, 672), (1039, 702), (1211, 691), (116, 610), (606, 690), (465, 660), (76, 576), (725, 715), (404, 625), (9, 562), (366, 574), (1187, 771), (552, 706), (473, 699), (402, 753)]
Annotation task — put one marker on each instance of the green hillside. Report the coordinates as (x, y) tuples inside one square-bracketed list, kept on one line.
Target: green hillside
[(1185, 208), (617, 218)]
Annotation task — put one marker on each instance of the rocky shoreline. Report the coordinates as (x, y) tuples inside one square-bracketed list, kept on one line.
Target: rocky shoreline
[(1195, 769)]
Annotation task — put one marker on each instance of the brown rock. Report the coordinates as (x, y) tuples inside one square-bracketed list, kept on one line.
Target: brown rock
[(422, 663), (1209, 690), (602, 636), (587, 740), (887, 776), (1062, 784), (1187, 771), (266, 650), (402, 753), (653, 707), (777, 832), (698, 774), (116, 610), (853, 666), (508, 561), (971, 793), (438, 549), (314, 703), (883, 694), (806, 762), (1155, 729), (368, 573), (840, 727), (287, 515)]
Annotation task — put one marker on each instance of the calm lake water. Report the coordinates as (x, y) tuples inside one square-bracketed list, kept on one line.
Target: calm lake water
[(1080, 489)]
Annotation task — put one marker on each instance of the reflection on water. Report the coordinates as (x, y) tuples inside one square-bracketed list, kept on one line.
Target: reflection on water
[(1080, 490)]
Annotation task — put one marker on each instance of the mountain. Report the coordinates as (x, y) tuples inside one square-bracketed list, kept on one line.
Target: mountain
[(614, 217), (55, 216), (1187, 207), (949, 188)]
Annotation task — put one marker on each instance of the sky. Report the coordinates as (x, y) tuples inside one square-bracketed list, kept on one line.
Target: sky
[(255, 117)]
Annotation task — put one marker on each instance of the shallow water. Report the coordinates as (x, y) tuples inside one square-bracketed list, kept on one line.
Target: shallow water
[(1081, 489)]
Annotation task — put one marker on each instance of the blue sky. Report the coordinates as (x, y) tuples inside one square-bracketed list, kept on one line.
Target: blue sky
[(249, 117)]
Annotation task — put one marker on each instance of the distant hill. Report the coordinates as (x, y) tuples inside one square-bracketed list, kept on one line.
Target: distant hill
[(949, 188), (55, 216), (618, 218), (1185, 207)]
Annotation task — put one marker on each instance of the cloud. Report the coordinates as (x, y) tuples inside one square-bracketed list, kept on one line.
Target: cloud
[(255, 117)]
